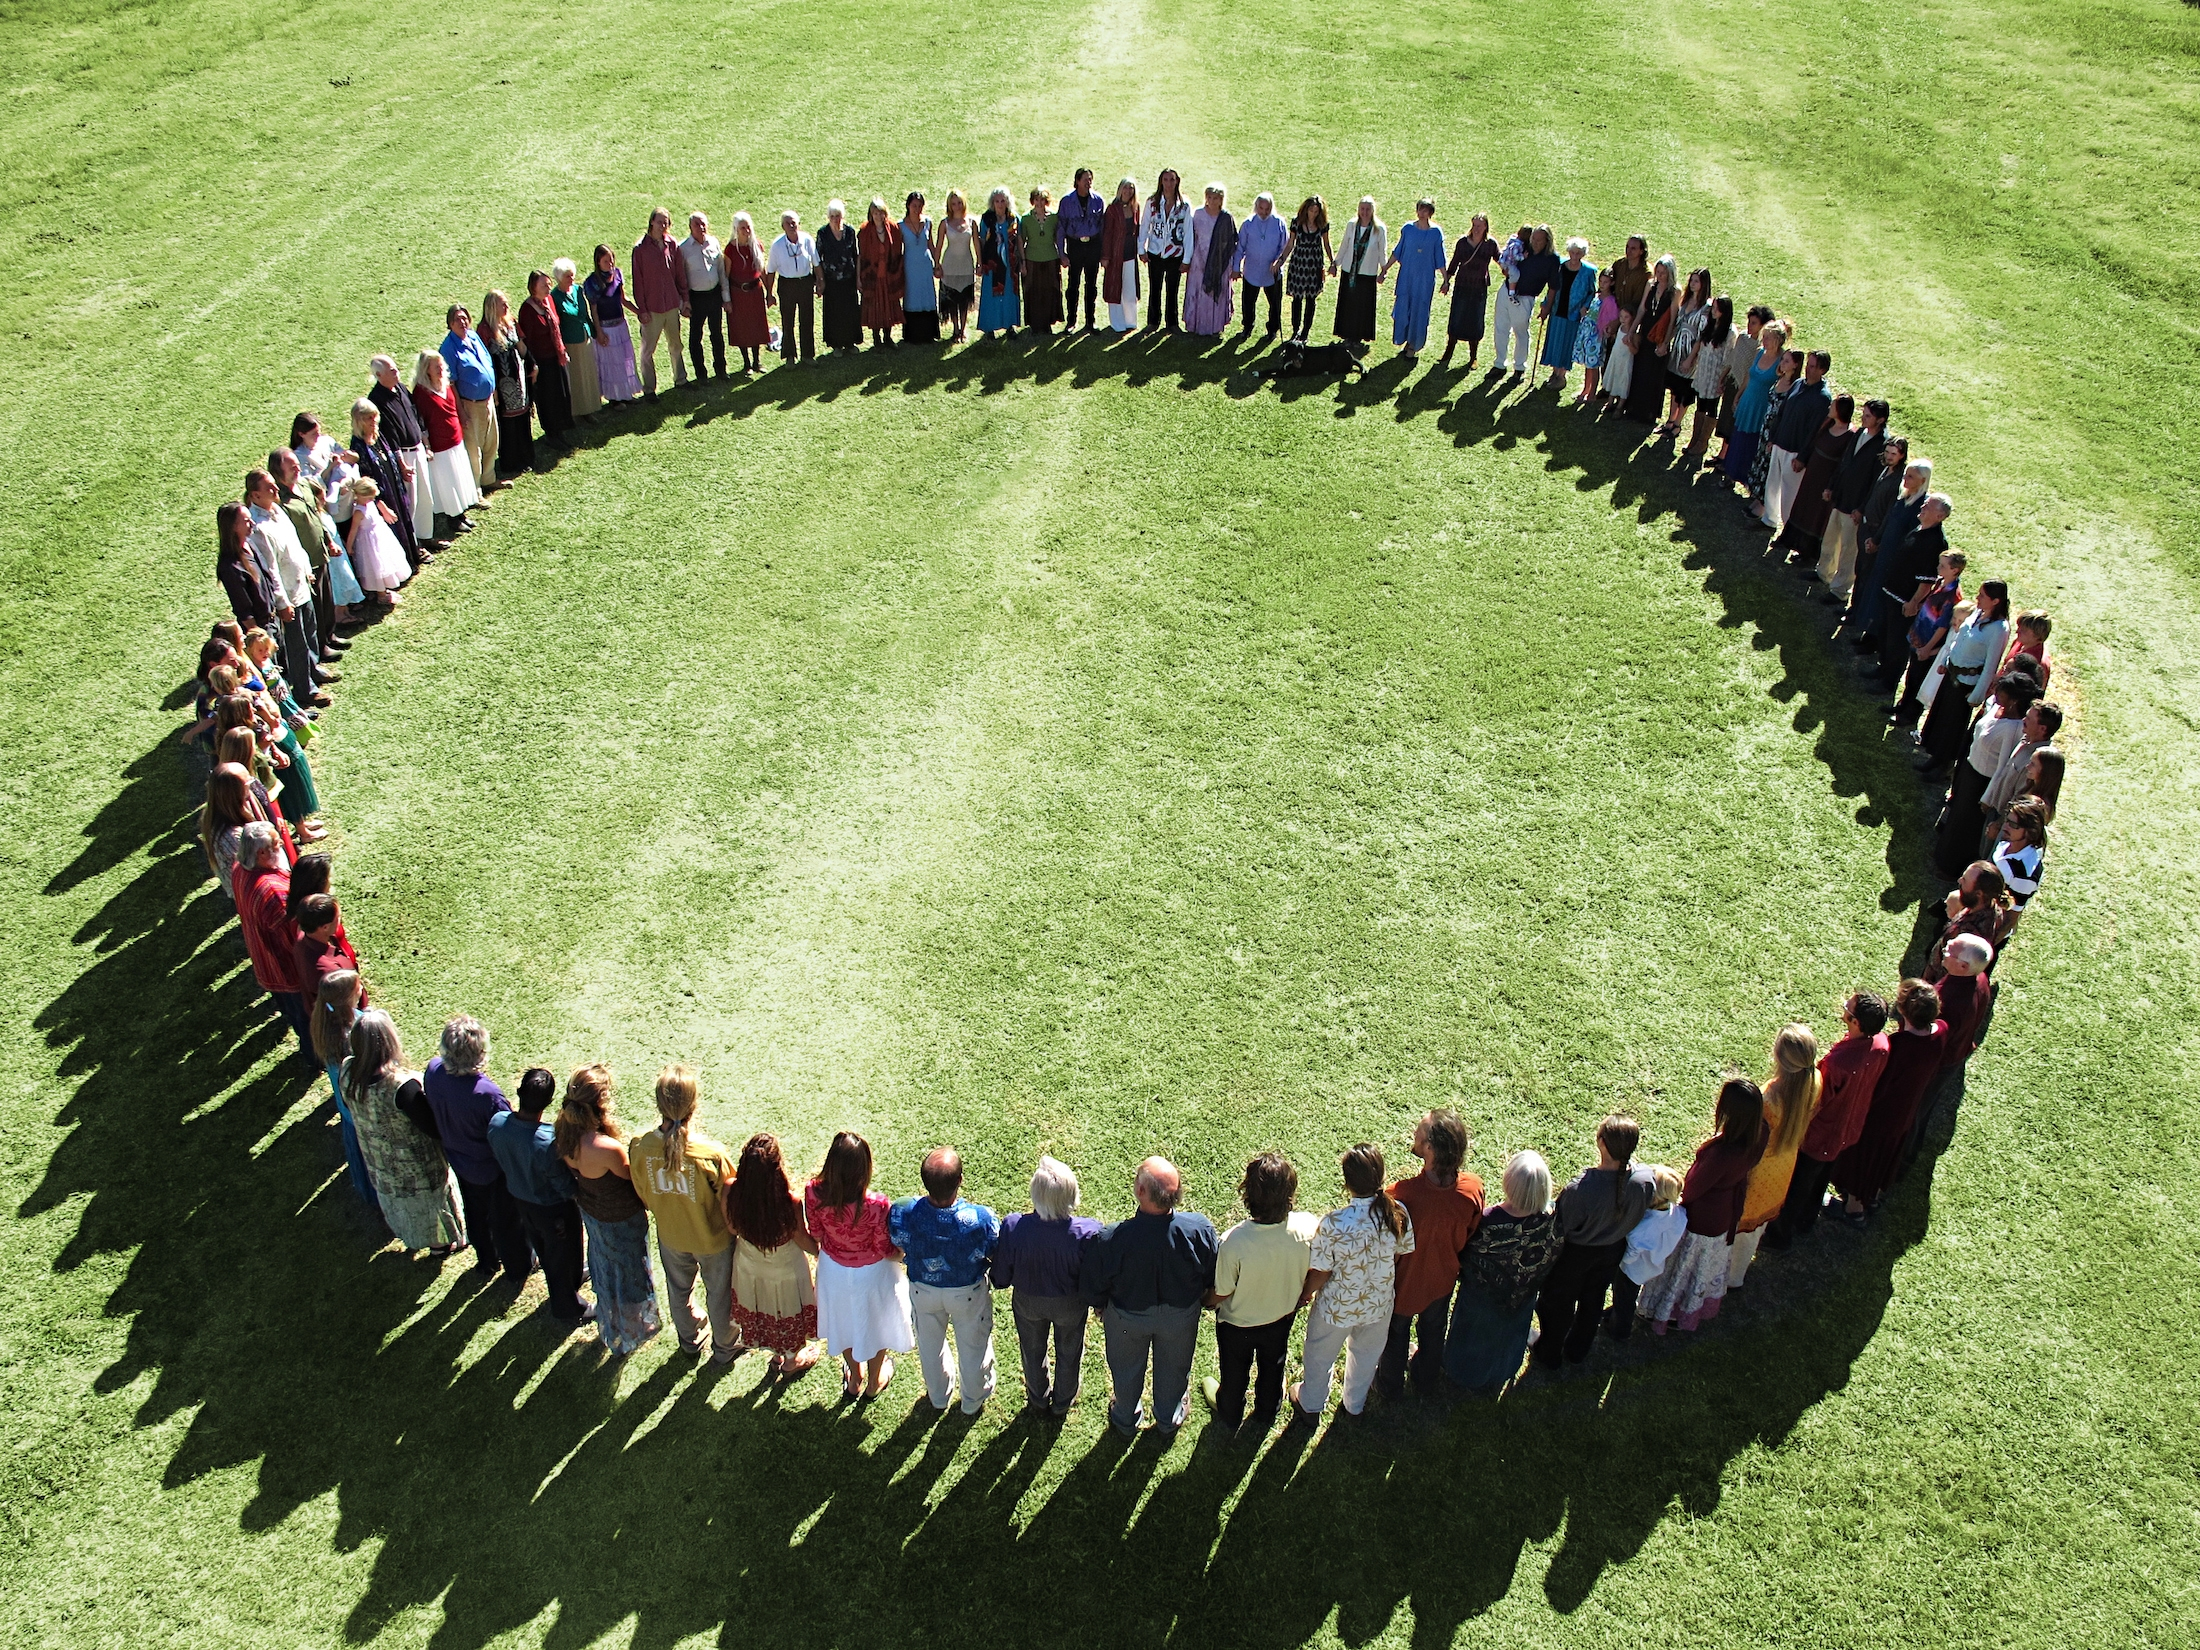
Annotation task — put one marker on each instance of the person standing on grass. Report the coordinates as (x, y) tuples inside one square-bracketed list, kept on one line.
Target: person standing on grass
[(1791, 1102), (1802, 414), (1902, 557), (464, 1100), (591, 1144), (1303, 265), (1967, 669), (1145, 1277), (401, 428), (578, 330), (1260, 1281), (660, 294), (840, 281), (525, 1148), (1207, 300), (1262, 239), (260, 884), (548, 385), (1077, 230), (1930, 616), (878, 249), (1418, 258), (2004, 726), (473, 379), (335, 1006), (1000, 267), (774, 1291), (1363, 251), (1445, 1205), (790, 278), (1848, 1073), (413, 1183), (1649, 1246), (1039, 1259), (1598, 1209), (515, 403), (1914, 1056), (1119, 238), (1689, 1290), (1351, 1282), (862, 1290), (703, 277), (1163, 245), (947, 1245), (1468, 270), (450, 478), (275, 546), (1856, 473), (680, 1176), (1513, 1250), (334, 586), (1966, 990), (1862, 610)]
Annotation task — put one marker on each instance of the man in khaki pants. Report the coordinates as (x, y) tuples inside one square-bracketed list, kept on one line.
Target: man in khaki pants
[(474, 382), (659, 291)]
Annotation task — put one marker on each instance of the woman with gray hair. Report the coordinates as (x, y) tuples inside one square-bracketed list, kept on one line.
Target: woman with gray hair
[(1038, 1257), (463, 1099), (397, 1138), (1500, 1272)]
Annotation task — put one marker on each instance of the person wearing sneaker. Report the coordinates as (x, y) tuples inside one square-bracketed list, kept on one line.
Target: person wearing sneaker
[(1351, 1281), (1260, 1281), (525, 1148)]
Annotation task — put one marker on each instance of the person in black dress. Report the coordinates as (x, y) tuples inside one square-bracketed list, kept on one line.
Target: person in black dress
[(840, 270)]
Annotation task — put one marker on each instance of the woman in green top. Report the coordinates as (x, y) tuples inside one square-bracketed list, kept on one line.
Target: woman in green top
[(577, 326), (1042, 265)]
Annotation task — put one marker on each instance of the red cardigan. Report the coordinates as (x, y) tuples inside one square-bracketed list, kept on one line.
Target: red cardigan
[(439, 417), (1718, 1184), (540, 332), (1849, 1072)]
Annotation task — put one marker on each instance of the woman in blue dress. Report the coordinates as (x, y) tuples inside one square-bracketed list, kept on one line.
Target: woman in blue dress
[(1000, 267), (920, 301), (1756, 399), (1419, 259), (1573, 291)]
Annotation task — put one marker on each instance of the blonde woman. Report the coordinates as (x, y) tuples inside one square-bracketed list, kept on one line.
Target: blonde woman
[(450, 477), (515, 405), (589, 1141), (398, 1140), (1791, 1100), (680, 1176), (954, 246), (748, 304)]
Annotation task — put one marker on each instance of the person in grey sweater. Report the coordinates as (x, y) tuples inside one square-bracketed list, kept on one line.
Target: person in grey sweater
[(1596, 1211)]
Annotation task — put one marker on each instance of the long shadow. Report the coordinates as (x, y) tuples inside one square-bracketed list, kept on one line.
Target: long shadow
[(507, 1479)]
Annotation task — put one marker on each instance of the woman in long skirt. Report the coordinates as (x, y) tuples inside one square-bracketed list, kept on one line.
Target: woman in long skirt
[(1571, 295), (1694, 1282), (336, 1006), (397, 1138), (577, 326), (1418, 256), (1646, 387), (1310, 254), (878, 249), (1119, 232), (841, 271), (920, 300), (1000, 267), (1207, 291), (605, 289), (748, 311), (450, 479), (543, 342), (589, 1142), (774, 1299), (514, 404), (1504, 1265), (1362, 250), (1042, 265), (862, 1291), (1467, 280)]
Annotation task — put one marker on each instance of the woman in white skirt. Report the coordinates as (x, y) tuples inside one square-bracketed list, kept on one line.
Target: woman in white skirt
[(1694, 1282), (377, 559), (577, 327), (616, 380), (1119, 232), (862, 1290), (450, 473)]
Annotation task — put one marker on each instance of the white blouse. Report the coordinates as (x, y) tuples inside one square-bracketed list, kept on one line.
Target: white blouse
[(1371, 261), (1168, 231)]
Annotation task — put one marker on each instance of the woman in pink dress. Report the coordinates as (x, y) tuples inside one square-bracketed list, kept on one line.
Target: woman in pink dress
[(1207, 305)]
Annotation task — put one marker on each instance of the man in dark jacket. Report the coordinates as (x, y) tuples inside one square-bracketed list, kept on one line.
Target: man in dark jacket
[(1800, 415), (1852, 487)]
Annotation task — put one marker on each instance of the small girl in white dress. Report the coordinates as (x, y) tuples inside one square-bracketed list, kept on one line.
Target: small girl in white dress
[(377, 559)]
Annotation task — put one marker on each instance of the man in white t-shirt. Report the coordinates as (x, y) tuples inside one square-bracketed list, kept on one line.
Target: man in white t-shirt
[(790, 274), (274, 545)]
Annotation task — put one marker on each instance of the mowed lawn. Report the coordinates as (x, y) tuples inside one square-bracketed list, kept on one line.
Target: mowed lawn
[(1079, 746)]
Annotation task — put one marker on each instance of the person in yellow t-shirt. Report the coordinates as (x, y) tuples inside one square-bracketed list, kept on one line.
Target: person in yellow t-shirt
[(680, 1176)]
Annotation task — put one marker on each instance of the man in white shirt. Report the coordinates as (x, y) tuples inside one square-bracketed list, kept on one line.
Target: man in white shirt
[(790, 267), (703, 261), (274, 545)]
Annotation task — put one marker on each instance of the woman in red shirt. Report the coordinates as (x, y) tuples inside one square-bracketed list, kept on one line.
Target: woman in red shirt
[(546, 359), (450, 476), (1693, 1283), (862, 1291)]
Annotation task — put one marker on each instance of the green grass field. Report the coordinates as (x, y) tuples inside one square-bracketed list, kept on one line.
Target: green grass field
[(1079, 746)]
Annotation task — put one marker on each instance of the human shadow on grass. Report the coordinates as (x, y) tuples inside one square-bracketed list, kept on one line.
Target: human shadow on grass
[(505, 1479)]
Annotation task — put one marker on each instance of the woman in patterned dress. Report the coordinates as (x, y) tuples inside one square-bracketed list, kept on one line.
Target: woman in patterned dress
[(1504, 1265), (404, 1155), (774, 1296), (1694, 1282)]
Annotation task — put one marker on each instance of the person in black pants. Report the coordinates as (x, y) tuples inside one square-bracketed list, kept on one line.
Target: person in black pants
[(1595, 1214), (1254, 1299), (1904, 574), (542, 1193), (1077, 228)]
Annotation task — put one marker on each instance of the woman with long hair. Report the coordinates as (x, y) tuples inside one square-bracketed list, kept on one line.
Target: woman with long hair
[(403, 1153), (1467, 321), (1706, 369), (1914, 1057), (588, 1140), (549, 385), (1503, 1266), (1119, 233), (1305, 263), (1164, 244), (336, 1005), (878, 248), (920, 302), (604, 291), (1351, 1280), (1000, 267), (514, 405), (1791, 1101), (1787, 372), (681, 1174), (862, 1291), (1962, 677), (775, 1299), (1690, 315), (1649, 387), (239, 574), (1689, 1290), (1630, 282), (748, 306), (1758, 375)]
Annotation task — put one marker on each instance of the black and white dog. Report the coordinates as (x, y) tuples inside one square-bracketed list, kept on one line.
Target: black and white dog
[(1295, 358)]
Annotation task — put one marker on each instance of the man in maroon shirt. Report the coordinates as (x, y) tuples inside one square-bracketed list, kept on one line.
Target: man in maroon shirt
[(1965, 990), (261, 886), (322, 947), (1848, 1072), (659, 291)]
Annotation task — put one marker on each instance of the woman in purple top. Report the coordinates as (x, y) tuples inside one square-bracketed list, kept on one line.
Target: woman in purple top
[(1038, 1256), (463, 1099), (606, 295), (1469, 271)]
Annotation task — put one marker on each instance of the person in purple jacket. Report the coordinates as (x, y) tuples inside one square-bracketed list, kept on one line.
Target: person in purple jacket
[(463, 1100), (1039, 1257)]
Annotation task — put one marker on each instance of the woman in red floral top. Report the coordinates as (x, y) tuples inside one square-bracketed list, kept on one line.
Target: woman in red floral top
[(862, 1291)]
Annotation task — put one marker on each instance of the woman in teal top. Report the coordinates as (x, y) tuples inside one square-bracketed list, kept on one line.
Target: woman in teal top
[(920, 301), (1749, 411), (577, 326)]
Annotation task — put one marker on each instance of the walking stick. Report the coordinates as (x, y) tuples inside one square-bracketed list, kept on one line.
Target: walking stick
[(1535, 359)]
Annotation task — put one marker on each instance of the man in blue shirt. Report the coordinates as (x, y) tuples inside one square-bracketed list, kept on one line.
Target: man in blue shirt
[(525, 1148), (947, 1245), (1259, 257), (1077, 229), (474, 382), (1146, 1277)]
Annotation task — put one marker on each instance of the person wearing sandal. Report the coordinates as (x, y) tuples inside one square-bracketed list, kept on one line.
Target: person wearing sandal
[(774, 1295), (862, 1291)]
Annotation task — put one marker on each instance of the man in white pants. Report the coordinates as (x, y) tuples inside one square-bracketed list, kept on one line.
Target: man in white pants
[(947, 1245), (1800, 415), (1515, 314)]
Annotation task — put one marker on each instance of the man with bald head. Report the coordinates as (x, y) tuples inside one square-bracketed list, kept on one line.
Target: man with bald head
[(947, 1244), (1146, 1277)]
